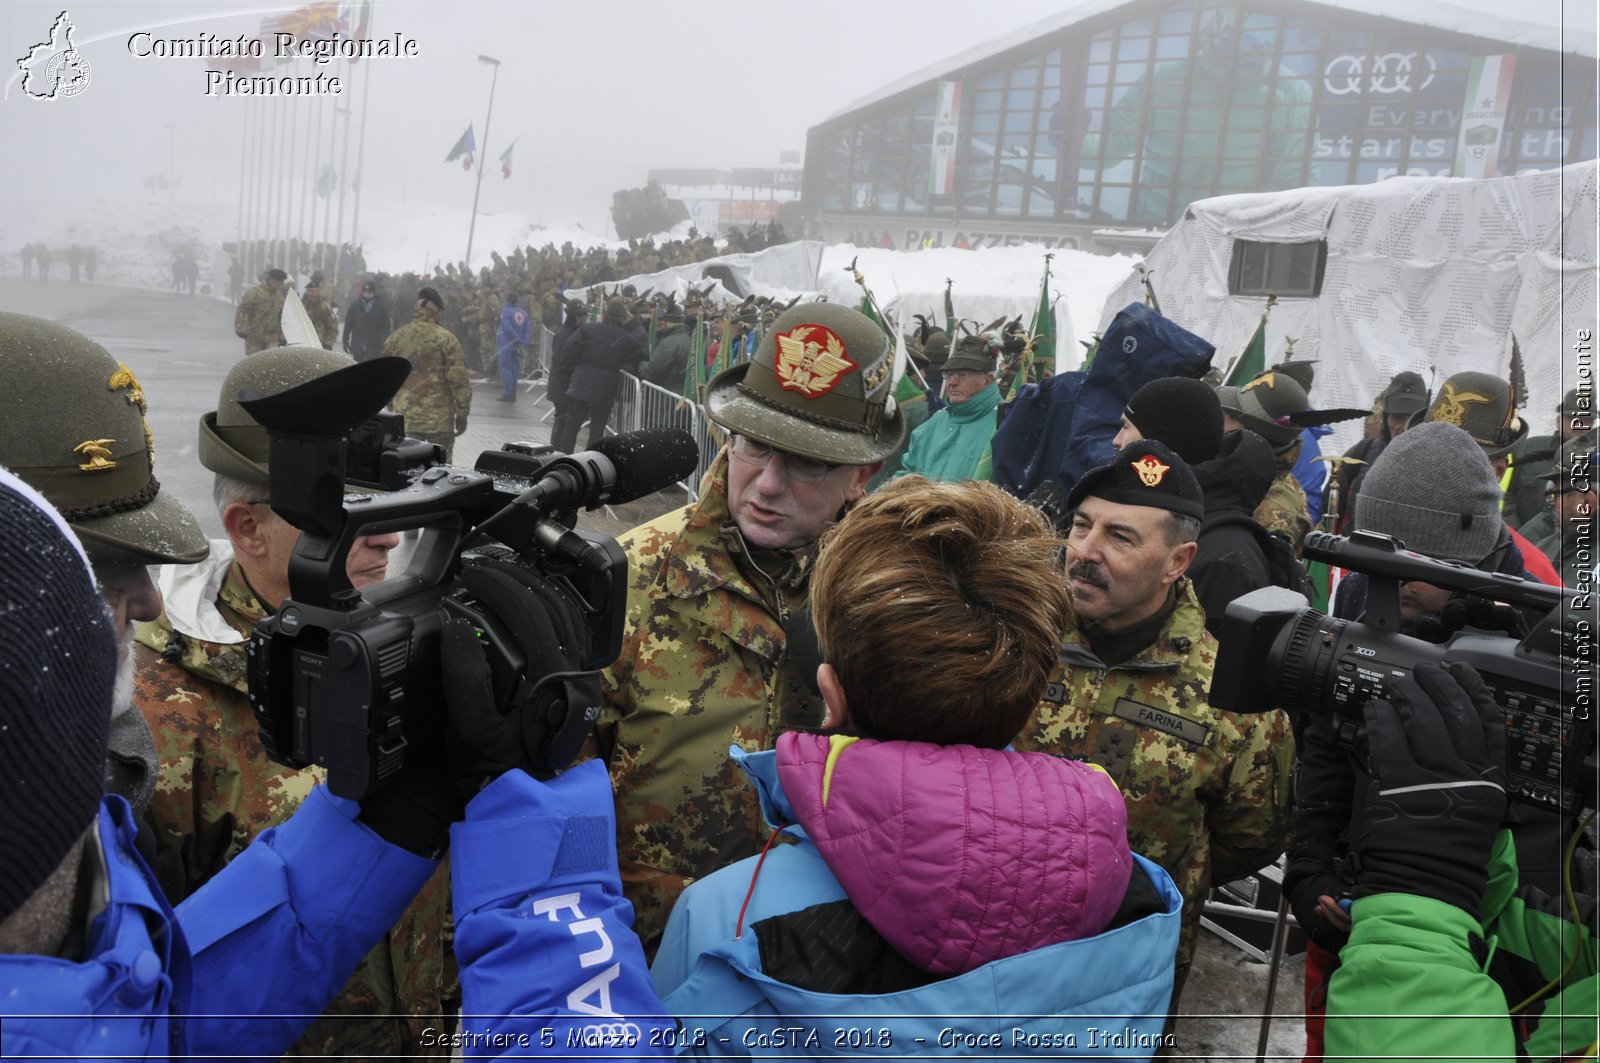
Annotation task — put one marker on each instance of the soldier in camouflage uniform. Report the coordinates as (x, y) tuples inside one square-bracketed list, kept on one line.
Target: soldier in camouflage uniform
[(321, 314), (1263, 406), (1208, 791), (258, 320), (217, 788), (74, 429), (437, 397), (486, 321), (704, 661)]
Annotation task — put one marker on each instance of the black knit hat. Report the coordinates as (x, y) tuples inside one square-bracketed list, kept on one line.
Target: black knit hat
[(1146, 473), (1182, 413), (58, 665)]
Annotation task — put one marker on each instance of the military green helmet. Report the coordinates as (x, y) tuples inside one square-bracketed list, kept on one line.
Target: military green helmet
[(1481, 404), (1264, 406), (231, 441), (818, 387), (75, 431), (936, 348)]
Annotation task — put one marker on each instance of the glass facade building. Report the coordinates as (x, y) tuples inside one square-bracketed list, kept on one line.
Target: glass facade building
[(1122, 118)]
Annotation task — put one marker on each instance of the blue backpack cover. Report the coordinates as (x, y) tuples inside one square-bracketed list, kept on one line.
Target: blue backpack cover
[(1061, 427)]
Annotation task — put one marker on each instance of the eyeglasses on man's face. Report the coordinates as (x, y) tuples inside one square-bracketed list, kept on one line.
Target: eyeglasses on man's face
[(756, 453)]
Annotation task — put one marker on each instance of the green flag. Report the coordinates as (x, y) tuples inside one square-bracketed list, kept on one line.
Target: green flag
[(1253, 362), (949, 312), (1043, 330), (1254, 359), (693, 373)]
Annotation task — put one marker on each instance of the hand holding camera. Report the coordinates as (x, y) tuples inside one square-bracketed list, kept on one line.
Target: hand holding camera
[(1437, 752)]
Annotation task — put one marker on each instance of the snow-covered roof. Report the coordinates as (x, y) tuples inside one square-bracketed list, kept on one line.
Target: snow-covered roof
[(1433, 13)]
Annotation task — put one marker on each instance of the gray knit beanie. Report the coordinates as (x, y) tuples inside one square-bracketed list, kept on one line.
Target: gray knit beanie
[(1434, 489), (58, 666)]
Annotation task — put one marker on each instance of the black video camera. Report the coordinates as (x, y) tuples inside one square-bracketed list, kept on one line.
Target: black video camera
[(1277, 652), (345, 679)]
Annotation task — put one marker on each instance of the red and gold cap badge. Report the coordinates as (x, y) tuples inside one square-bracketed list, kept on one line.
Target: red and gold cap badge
[(1150, 470), (810, 360)]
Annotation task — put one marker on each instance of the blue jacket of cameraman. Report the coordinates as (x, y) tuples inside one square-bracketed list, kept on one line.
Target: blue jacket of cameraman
[(242, 966), (549, 960)]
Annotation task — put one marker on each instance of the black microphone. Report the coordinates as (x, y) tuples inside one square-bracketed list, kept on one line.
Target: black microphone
[(620, 468)]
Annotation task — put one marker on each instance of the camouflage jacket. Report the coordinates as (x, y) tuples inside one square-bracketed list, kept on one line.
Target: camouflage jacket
[(1285, 508), (1208, 791), (260, 318), (437, 396), (702, 667), (322, 316), (217, 790)]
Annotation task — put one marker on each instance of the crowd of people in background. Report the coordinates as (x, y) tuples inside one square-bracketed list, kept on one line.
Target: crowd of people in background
[(36, 259)]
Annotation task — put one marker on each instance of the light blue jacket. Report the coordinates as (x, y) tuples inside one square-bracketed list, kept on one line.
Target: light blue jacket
[(1061, 1000), (949, 445), (242, 966)]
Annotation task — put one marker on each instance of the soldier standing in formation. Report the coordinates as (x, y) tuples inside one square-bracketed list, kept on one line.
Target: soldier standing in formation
[(704, 659), (259, 318), (1208, 792), (437, 397), (320, 313)]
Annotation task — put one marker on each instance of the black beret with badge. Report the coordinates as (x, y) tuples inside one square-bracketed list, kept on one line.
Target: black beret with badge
[(1146, 473)]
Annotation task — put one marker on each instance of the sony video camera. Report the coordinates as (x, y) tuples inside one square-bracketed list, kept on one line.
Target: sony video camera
[(1277, 652), (345, 679)]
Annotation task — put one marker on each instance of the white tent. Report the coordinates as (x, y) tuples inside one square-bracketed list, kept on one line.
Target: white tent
[(1432, 274)]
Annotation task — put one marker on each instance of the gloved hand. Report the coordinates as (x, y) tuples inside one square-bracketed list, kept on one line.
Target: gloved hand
[(461, 423), (414, 807), (551, 714), (1309, 878), (1436, 750), (346, 347)]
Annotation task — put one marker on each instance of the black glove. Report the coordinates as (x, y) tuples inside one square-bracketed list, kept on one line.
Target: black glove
[(537, 720), (461, 423), (414, 807), (1309, 877), (1436, 753)]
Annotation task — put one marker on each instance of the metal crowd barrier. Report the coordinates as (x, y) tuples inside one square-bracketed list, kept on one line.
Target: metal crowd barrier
[(641, 404), (540, 351)]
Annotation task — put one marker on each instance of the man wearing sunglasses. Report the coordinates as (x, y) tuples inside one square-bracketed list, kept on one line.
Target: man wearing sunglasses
[(704, 660)]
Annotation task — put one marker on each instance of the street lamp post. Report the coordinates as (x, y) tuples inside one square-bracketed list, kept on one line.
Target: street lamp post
[(483, 155)]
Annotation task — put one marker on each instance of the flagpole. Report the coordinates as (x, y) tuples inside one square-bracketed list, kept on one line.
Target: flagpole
[(361, 157), (269, 206), (344, 174), (308, 232), (244, 169), (483, 153), (327, 205)]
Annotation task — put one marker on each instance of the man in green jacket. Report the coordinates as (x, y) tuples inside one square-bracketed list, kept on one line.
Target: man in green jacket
[(1448, 959), (950, 444)]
